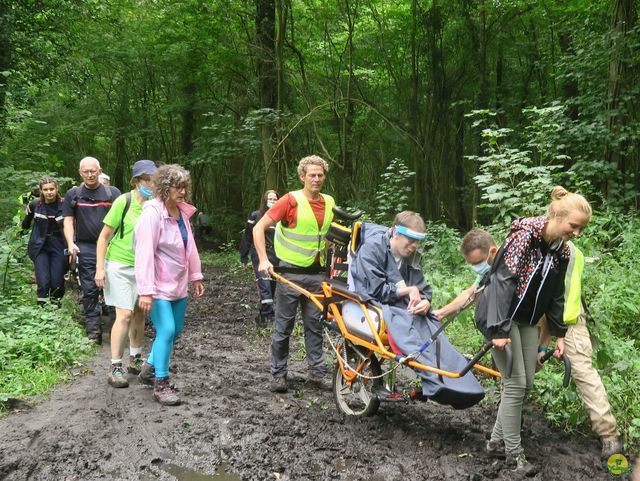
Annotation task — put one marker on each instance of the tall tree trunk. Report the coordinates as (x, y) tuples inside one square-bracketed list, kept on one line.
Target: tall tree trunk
[(5, 60), (414, 106), (282, 13), (459, 170), (188, 118), (570, 86), (265, 56), (347, 107), (622, 22)]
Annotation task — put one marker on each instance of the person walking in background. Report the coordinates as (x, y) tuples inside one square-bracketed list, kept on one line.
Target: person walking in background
[(203, 226), (84, 209), (302, 219), (578, 349), (166, 260), (46, 244), (104, 179), (266, 287), (526, 281), (115, 273)]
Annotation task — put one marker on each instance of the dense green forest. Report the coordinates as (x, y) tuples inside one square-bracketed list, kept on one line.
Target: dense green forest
[(239, 91), (468, 111)]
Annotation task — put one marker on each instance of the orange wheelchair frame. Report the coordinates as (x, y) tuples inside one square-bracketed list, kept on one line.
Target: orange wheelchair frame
[(358, 377), (358, 385)]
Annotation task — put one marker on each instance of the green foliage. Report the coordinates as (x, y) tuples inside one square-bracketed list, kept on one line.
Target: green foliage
[(37, 345), (445, 270), (14, 183), (517, 182), (610, 281), (621, 378), (392, 193)]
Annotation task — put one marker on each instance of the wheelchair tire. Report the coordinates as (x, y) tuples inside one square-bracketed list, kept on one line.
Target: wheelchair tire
[(358, 399)]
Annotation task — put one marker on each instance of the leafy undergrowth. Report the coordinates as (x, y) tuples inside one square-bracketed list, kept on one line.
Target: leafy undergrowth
[(38, 345)]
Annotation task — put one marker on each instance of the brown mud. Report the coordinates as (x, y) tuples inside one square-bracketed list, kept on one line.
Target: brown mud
[(231, 427)]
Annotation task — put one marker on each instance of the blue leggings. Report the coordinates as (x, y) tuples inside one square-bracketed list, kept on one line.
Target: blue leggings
[(167, 318)]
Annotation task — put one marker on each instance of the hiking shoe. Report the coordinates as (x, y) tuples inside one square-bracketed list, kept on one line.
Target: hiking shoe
[(135, 364), (279, 384), (147, 374), (95, 337), (319, 382), (118, 375), (610, 446), (164, 392), (495, 449), (264, 320), (520, 465)]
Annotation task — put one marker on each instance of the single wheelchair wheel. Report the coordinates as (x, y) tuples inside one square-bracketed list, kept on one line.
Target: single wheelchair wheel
[(358, 397)]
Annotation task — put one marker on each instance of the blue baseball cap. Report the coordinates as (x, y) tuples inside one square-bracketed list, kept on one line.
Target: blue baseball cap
[(143, 167)]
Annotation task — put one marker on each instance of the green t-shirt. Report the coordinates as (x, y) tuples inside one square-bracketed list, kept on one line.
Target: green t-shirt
[(121, 250)]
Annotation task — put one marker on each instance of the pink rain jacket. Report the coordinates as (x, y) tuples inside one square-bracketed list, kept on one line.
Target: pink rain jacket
[(163, 268)]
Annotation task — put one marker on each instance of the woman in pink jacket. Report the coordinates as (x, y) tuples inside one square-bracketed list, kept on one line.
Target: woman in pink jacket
[(166, 261)]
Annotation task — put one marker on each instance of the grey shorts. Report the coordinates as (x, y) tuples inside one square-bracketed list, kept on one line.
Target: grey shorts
[(120, 290)]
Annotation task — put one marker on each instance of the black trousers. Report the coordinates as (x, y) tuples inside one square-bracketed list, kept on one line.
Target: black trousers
[(51, 266), (90, 292)]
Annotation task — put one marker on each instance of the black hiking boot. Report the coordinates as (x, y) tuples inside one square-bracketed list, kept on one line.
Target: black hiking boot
[(95, 337), (319, 382), (279, 384)]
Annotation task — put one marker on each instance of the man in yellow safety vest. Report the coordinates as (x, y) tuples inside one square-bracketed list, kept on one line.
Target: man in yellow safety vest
[(302, 219), (577, 347)]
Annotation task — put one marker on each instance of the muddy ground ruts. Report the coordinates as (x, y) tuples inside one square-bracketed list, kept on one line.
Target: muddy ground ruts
[(230, 426)]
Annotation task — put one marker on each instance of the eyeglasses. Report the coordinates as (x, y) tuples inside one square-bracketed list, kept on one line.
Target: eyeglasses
[(88, 172)]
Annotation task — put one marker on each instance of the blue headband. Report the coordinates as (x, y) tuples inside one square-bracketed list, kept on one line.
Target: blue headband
[(412, 234)]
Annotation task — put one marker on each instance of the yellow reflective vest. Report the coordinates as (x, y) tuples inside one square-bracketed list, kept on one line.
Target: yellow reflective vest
[(573, 285), (301, 245)]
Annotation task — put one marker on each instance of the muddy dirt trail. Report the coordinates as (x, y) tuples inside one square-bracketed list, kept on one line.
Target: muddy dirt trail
[(230, 427)]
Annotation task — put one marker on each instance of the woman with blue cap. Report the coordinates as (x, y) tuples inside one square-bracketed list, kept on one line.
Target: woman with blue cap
[(115, 272)]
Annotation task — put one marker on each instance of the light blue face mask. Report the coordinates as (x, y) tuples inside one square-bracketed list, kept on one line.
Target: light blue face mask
[(145, 192), (481, 268)]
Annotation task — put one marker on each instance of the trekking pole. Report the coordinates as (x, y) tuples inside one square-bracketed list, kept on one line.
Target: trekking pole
[(567, 366)]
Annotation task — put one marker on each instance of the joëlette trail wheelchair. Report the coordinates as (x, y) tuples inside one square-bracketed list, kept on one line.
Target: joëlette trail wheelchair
[(362, 344)]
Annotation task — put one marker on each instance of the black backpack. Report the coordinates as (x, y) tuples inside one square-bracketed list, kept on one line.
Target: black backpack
[(127, 204)]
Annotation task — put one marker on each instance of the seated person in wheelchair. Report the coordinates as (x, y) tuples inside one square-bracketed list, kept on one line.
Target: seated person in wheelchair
[(385, 269)]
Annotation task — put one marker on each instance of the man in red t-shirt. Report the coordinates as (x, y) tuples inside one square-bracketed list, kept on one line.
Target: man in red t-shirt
[(302, 219)]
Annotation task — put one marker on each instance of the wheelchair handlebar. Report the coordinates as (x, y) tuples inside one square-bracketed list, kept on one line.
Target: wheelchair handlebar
[(474, 360), (509, 367), (486, 347), (567, 367), (343, 215)]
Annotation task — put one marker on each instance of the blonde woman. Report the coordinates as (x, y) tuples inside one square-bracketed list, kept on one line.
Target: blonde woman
[(526, 281)]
